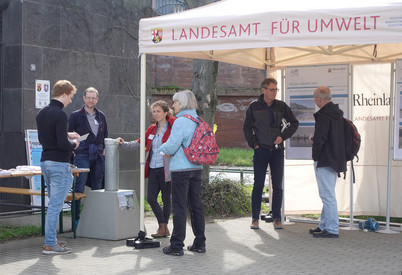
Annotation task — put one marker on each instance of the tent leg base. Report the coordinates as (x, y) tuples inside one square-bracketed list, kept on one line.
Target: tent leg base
[(142, 242)]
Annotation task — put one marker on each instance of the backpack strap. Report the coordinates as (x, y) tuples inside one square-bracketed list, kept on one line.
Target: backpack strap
[(193, 119)]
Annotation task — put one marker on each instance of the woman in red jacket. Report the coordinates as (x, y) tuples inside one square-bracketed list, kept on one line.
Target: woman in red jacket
[(157, 166)]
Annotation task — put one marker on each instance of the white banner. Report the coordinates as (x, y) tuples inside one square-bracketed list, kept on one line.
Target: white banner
[(238, 24), (371, 102), (398, 112)]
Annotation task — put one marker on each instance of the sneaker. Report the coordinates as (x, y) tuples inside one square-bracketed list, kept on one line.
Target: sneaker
[(56, 249), (196, 249), (315, 230), (278, 224), (62, 243), (168, 250), (254, 224)]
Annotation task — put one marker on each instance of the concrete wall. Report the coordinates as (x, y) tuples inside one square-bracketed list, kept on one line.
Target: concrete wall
[(90, 43)]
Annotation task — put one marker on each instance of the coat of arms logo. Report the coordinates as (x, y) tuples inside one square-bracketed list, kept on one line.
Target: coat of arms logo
[(157, 34)]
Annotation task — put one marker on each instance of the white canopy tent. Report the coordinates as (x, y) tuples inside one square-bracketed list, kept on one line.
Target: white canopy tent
[(273, 34)]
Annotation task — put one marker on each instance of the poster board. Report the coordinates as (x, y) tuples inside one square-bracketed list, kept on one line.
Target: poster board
[(398, 111), (300, 85), (34, 153)]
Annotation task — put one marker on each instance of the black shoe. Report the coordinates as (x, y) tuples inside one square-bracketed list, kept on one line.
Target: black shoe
[(196, 249), (315, 230), (325, 234), (168, 250)]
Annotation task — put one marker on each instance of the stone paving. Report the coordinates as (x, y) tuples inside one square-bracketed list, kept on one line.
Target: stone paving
[(232, 248)]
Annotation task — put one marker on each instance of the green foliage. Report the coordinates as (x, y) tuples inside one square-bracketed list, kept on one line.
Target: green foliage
[(225, 198), (14, 232), (235, 157)]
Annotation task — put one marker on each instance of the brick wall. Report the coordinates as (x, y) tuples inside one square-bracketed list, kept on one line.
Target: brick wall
[(237, 88)]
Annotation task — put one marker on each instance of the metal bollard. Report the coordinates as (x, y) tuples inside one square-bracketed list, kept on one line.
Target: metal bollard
[(111, 164)]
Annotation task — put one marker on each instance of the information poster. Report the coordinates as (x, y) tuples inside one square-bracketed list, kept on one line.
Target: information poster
[(42, 93), (126, 200), (398, 112), (34, 153), (300, 85)]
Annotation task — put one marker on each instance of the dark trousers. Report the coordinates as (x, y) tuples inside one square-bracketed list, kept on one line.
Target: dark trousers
[(275, 159), (186, 186), (156, 183)]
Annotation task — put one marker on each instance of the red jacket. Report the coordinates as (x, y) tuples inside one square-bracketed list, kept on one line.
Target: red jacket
[(152, 131)]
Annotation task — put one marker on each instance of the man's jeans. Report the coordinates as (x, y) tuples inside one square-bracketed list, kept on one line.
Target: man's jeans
[(275, 159), (326, 180), (82, 161), (187, 185), (58, 179)]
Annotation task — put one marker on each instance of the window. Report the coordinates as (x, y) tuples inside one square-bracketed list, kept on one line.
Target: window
[(169, 6)]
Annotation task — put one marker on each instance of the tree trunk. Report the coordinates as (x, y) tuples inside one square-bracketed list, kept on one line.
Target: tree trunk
[(205, 74)]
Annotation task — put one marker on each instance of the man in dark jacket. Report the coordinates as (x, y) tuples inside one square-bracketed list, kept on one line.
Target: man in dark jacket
[(57, 145), (89, 120), (265, 132), (329, 159)]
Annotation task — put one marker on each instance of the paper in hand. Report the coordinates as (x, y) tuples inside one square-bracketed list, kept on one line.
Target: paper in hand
[(83, 137)]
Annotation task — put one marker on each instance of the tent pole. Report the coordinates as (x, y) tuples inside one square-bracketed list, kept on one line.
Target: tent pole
[(350, 109), (143, 96), (141, 241), (390, 151)]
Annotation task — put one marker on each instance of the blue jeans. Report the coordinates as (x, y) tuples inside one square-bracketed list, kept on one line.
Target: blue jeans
[(157, 183), (186, 185), (58, 179), (82, 161), (326, 180), (275, 159)]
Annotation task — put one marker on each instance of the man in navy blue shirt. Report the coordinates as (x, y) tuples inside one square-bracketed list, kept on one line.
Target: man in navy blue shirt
[(91, 153)]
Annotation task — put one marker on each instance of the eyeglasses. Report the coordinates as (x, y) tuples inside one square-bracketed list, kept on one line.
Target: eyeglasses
[(91, 98), (272, 90)]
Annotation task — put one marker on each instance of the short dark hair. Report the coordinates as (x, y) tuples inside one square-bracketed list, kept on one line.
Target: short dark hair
[(267, 81)]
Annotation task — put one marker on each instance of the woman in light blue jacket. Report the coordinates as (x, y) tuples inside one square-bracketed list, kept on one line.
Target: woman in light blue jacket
[(186, 178)]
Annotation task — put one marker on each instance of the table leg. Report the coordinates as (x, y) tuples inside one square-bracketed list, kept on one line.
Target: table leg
[(42, 189), (73, 208)]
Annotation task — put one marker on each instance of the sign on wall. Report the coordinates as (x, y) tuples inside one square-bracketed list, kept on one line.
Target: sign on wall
[(42, 93), (300, 85), (398, 112)]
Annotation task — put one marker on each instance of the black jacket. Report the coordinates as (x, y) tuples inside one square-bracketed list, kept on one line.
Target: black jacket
[(260, 129), (329, 138), (52, 126)]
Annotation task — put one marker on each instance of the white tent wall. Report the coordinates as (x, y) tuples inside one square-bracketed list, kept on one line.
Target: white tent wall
[(370, 189), (373, 35)]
